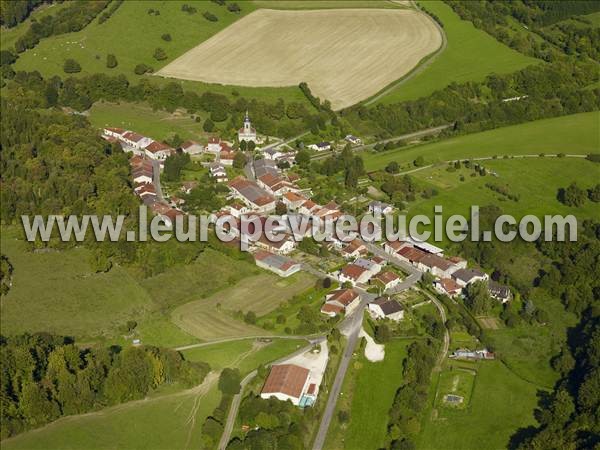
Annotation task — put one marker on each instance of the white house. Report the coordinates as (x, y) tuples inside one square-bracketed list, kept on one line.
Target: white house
[(353, 139), (320, 147), (447, 286), (354, 274), (377, 207), (214, 144), (340, 300), (286, 382), (192, 147), (116, 133), (464, 277), (237, 209), (384, 308), (135, 141), (247, 133), (158, 150), (218, 172)]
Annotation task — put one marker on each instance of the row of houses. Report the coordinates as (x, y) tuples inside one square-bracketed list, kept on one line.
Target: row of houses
[(138, 143), (452, 273)]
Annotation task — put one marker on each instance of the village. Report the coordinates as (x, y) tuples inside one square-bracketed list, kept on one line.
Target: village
[(369, 276)]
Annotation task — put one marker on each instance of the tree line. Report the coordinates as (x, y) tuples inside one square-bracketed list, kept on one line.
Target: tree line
[(46, 376), (551, 89)]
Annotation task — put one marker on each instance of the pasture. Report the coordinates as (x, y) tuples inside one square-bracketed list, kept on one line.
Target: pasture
[(470, 55), (455, 381), (348, 55), (572, 134), (368, 394), (144, 120), (500, 404), (58, 292), (326, 4), (213, 317)]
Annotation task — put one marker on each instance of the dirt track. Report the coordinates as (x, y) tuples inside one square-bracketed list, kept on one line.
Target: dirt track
[(344, 55)]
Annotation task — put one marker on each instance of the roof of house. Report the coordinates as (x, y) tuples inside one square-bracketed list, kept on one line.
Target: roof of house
[(276, 261), (498, 290), (157, 146), (353, 271), (387, 277), (251, 191), (343, 296), (376, 204), (133, 136), (388, 306), (436, 261), (378, 260), (449, 285), (396, 245), (467, 275), (331, 308), (287, 379), (294, 197), (188, 144), (214, 140), (263, 166), (115, 130), (412, 254)]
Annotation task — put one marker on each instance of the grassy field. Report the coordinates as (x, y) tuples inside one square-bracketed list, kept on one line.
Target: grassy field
[(353, 52), (455, 381), (212, 317), (132, 35), (325, 4), (169, 421), (58, 292), (501, 403), (572, 134), (471, 54), (142, 119), (536, 181), (368, 393), (184, 283)]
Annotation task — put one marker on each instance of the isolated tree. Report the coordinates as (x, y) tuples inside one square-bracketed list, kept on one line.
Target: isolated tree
[(419, 162), (111, 61), (302, 158), (166, 37), (208, 125), (160, 54), (392, 167), (229, 381), (71, 66), (239, 160)]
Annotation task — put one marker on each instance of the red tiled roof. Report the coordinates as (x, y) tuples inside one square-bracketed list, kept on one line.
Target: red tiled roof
[(386, 277), (353, 271), (293, 197), (343, 296), (331, 308), (436, 261), (214, 140), (449, 285), (188, 144), (132, 136), (287, 379), (157, 146), (412, 254)]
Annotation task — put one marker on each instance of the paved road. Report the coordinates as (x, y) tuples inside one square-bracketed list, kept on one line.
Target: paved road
[(416, 134), (354, 324)]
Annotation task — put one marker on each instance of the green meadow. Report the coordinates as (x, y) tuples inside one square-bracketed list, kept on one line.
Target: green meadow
[(471, 54), (325, 4), (132, 35), (368, 394), (572, 134), (500, 404)]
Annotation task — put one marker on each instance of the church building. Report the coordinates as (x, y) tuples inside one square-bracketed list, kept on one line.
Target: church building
[(247, 133)]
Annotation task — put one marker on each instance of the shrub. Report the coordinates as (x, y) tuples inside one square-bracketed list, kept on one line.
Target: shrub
[(166, 37), (209, 16), (160, 54), (71, 66), (141, 69), (111, 61)]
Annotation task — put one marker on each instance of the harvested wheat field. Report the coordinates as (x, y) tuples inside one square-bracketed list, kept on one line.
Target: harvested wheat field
[(344, 55)]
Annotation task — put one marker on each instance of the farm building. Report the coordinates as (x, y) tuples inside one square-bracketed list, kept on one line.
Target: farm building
[(354, 274), (340, 301), (286, 382), (282, 266), (464, 277), (353, 139), (252, 195)]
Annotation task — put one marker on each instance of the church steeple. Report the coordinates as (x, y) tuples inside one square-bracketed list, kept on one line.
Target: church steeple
[(247, 124)]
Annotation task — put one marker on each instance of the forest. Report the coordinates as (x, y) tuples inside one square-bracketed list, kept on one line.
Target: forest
[(45, 377)]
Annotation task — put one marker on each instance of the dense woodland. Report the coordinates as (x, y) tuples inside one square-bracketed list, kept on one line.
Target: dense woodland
[(14, 12), (45, 377)]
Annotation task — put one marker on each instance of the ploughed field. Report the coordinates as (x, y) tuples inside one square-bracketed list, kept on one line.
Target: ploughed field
[(344, 55)]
